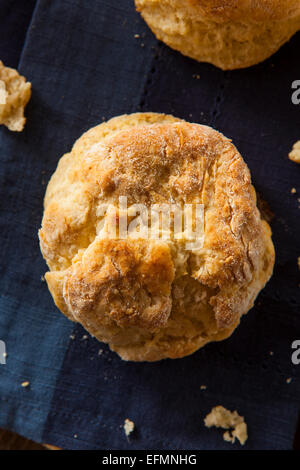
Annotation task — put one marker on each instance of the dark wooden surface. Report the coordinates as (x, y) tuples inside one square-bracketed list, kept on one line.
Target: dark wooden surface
[(12, 441)]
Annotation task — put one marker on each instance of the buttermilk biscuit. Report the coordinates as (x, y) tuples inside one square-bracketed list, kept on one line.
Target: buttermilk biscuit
[(150, 298), (230, 34), (15, 93)]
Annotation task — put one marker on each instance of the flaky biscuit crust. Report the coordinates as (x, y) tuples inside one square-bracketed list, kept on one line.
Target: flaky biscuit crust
[(230, 34), (153, 299)]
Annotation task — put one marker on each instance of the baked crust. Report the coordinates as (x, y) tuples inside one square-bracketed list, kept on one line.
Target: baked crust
[(153, 299), (230, 34)]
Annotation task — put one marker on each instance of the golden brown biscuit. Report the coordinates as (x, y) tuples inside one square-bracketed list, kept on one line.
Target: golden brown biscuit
[(15, 93), (149, 298), (230, 34)]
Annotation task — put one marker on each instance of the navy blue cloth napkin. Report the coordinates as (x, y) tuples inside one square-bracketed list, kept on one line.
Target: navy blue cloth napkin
[(89, 61)]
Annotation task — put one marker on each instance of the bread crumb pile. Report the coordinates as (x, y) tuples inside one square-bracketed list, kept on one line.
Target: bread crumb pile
[(225, 419)]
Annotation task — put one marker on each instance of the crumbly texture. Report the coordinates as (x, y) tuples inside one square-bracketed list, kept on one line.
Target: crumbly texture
[(153, 299), (294, 155), (230, 34), (3, 93), (128, 426), (15, 93), (299, 262), (220, 417)]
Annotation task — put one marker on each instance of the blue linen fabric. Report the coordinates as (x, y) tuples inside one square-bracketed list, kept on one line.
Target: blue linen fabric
[(89, 61)]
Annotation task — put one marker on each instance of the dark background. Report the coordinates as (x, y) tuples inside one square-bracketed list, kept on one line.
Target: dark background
[(85, 65)]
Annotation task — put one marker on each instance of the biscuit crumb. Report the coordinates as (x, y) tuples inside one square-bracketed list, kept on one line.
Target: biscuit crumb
[(25, 384), (288, 381), (3, 92), (128, 426), (294, 155), (293, 191), (271, 353), (228, 438), (15, 93), (203, 387), (136, 36), (299, 262), (225, 419), (196, 76)]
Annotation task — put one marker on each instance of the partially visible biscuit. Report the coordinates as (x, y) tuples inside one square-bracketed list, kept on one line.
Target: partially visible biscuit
[(15, 93), (154, 298), (230, 34), (294, 155)]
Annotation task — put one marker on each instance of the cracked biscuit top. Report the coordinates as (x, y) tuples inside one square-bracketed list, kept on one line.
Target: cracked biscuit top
[(153, 298)]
